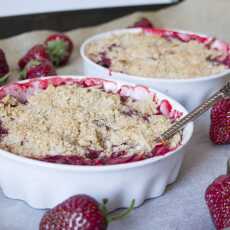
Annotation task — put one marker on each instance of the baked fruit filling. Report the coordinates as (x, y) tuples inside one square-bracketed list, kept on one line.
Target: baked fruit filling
[(160, 54), (80, 125)]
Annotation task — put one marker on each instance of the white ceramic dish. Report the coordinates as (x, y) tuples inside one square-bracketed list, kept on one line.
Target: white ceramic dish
[(43, 185), (189, 92)]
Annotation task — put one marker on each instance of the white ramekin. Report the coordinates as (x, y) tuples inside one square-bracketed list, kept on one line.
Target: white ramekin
[(43, 185), (189, 92)]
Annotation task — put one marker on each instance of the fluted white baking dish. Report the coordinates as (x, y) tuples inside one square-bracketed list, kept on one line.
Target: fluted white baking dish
[(190, 92), (43, 185)]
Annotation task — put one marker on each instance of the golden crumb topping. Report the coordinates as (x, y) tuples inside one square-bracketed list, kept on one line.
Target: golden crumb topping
[(70, 120), (153, 56)]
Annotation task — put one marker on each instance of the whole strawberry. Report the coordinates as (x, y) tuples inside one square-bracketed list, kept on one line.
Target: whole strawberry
[(220, 122), (4, 68), (60, 48), (37, 52), (217, 197), (79, 212), (143, 23), (38, 68)]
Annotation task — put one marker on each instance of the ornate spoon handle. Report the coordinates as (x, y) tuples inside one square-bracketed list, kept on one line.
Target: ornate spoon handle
[(177, 126)]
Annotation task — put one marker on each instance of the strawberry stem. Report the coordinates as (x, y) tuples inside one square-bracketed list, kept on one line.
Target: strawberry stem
[(121, 215), (103, 207), (228, 167), (3, 79), (57, 50), (22, 74)]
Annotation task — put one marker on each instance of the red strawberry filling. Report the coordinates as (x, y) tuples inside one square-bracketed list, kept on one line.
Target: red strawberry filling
[(104, 61), (116, 158), (3, 131), (211, 43)]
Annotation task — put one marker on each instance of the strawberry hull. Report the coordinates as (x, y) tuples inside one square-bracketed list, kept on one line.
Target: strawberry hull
[(153, 174)]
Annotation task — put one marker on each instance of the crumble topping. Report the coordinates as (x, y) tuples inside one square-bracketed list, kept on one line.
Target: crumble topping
[(71, 120), (154, 56)]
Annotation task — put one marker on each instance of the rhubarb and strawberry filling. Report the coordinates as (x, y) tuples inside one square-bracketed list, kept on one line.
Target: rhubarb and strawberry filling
[(160, 54), (83, 125)]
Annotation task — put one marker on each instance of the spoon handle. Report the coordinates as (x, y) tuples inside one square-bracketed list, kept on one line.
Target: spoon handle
[(197, 112)]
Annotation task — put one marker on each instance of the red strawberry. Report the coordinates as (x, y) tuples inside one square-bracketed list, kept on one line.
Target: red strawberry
[(217, 197), (165, 107), (80, 212), (59, 47), (4, 68), (37, 68), (143, 23), (220, 122), (37, 52)]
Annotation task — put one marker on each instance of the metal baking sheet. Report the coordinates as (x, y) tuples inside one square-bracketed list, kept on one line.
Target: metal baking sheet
[(22, 7)]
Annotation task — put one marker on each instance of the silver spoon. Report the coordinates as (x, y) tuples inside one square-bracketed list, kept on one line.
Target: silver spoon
[(197, 112)]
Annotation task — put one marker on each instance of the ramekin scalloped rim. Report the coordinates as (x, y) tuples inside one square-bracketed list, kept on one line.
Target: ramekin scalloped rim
[(205, 84), (44, 196)]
